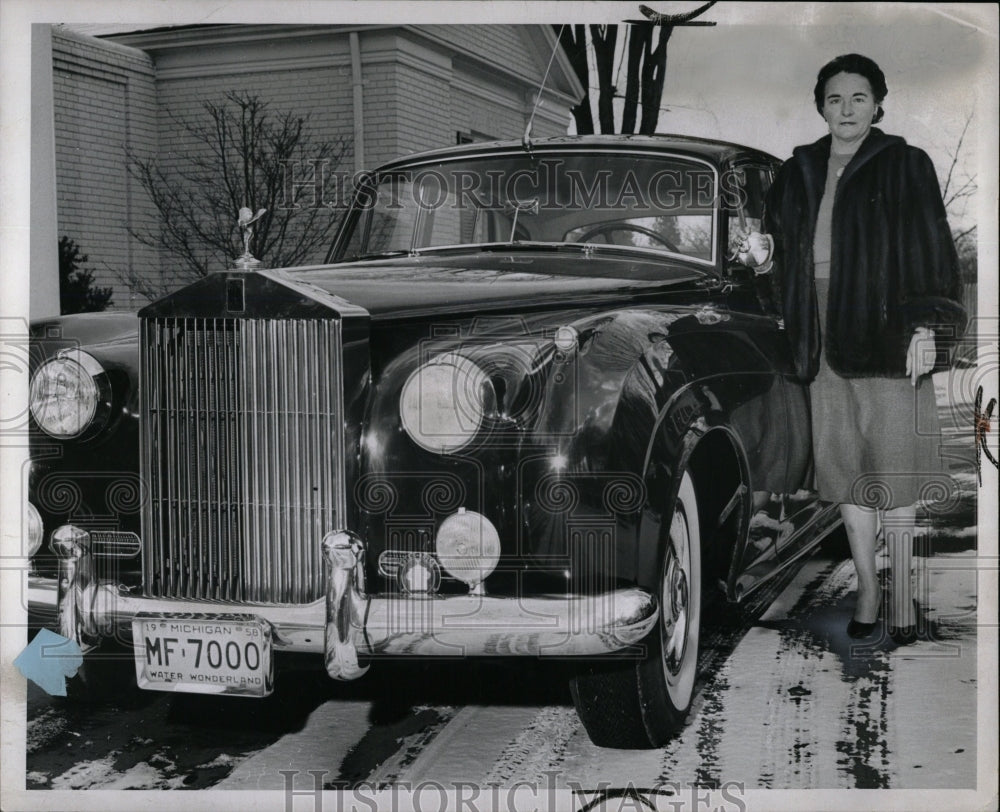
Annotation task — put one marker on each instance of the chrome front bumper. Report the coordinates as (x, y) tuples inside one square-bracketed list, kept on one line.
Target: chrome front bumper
[(349, 624)]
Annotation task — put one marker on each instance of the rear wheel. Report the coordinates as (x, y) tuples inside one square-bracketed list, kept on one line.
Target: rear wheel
[(642, 704)]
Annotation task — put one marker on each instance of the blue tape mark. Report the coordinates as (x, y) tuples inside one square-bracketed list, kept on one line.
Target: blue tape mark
[(48, 660)]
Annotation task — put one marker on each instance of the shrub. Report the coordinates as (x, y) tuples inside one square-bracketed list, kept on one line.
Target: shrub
[(77, 293)]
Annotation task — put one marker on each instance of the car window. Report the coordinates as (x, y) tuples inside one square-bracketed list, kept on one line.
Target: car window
[(645, 202), (689, 234)]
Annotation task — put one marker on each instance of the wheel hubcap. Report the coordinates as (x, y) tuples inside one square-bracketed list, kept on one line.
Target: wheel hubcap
[(679, 590), (675, 595)]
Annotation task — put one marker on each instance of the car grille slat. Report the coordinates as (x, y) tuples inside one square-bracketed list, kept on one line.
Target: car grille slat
[(241, 432)]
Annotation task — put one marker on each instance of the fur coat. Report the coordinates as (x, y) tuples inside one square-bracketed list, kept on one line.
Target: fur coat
[(893, 264)]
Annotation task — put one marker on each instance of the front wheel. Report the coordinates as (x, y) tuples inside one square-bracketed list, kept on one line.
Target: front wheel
[(642, 704)]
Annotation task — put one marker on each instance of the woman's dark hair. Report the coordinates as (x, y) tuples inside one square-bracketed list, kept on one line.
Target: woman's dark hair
[(852, 63)]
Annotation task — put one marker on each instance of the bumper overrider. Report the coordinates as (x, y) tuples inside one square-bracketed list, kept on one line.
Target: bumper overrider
[(349, 625)]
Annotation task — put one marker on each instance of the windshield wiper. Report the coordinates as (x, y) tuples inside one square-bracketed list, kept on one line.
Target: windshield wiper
[(378, 255)]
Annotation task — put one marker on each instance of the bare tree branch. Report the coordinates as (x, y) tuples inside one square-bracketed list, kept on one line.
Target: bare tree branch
[(638, 38), (645, 74), (967, 189), (654, 74), (573, 41), (954, 156), (241, 153), (605, 39), (963, 234), (656, 18)]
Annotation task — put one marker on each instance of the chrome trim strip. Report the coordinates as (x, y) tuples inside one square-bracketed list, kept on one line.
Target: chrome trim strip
[(340, 466), (460, 625), (597, 150), (642, 253), (43, 602), (827, 516)]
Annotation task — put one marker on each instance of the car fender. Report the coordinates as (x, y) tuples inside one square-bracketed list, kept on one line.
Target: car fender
[(92, 482), (624, 417)]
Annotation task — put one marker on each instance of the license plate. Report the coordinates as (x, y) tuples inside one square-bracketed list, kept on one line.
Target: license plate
[(211, 654)]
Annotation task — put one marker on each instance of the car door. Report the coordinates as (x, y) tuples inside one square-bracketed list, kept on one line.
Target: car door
[(782, 518)]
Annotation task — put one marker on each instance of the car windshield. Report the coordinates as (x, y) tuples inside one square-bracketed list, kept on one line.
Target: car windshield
[(637, 202)]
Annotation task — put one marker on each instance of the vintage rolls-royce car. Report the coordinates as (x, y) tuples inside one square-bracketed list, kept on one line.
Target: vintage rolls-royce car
[(530, 406)]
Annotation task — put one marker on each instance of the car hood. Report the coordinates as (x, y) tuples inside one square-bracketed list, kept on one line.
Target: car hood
[(86, 328), (415, 286)]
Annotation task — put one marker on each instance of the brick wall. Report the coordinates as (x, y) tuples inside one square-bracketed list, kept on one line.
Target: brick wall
[(504, 112), (104, 102), (321, 95), (506, 45), (416, 96), (425, 111), (380, 102), (490, 117)]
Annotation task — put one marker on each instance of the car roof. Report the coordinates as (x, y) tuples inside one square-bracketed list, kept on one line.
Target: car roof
[(708, 149)]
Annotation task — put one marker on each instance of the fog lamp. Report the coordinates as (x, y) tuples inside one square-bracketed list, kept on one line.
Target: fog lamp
[(468, 547), (36, 530), (420, 575)]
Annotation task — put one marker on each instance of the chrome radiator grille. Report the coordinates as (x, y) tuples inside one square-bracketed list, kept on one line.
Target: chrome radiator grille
[(242, 454)]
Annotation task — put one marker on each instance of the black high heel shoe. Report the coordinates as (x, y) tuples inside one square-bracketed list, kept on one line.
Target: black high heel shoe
[(858, 629), (905, 635)]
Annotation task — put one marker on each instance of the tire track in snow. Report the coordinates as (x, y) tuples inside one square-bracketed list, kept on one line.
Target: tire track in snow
[(539, 750), (696, 753)]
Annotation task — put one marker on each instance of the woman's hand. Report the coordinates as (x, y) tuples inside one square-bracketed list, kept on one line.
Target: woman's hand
[(920, 355), (755, 250)]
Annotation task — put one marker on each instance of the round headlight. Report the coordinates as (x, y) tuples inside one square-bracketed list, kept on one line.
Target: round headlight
[(35, 529), (444, 403), (70, 396)]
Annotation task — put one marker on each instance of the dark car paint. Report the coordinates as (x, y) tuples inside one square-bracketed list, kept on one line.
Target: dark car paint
[(635, 369), (93, 483), (426, 285), (667, 356)]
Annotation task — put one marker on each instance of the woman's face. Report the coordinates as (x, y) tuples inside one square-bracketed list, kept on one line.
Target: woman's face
[(849, 107)]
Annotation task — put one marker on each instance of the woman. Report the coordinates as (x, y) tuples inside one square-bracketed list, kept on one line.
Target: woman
[(866, 276)]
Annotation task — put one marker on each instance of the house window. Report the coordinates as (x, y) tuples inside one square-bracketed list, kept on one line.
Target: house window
[(471, 136)]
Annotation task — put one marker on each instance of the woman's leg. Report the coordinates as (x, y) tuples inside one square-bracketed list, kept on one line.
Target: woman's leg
[(862, 524), (899, 527)]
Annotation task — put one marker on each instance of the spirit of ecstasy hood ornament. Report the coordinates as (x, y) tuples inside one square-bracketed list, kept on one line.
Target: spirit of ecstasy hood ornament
[(247, 262)]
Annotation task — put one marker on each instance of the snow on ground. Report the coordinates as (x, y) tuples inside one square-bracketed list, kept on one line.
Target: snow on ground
[(102, 774), (158, 772), (796, 705)]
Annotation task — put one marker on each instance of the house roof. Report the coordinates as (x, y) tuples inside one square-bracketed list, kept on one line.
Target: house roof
[(539, 39)]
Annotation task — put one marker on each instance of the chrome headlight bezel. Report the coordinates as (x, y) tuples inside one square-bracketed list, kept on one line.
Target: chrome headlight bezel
[(445, 402), (35, 529), (70, 396)]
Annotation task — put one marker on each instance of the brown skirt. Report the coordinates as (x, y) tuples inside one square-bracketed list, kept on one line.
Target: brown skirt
[(876, 441)]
